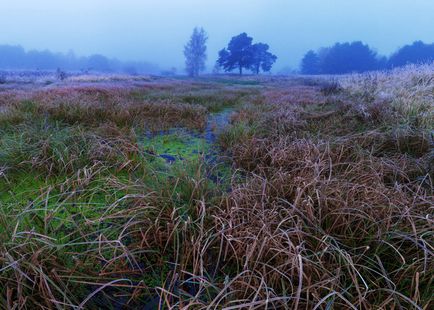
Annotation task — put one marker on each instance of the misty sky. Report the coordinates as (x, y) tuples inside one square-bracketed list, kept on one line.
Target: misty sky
[(156, 30)]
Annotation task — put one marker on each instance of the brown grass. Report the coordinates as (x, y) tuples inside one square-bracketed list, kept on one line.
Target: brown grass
[(330, 203)]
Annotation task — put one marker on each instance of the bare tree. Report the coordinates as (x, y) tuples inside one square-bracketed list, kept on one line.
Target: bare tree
[(195, 52)]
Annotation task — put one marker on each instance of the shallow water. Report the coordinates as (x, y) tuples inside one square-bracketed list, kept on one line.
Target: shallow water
[(178, 144), (216, 123)]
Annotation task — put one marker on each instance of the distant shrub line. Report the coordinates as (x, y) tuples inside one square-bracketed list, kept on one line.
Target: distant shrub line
[(357, 57), (16, 58)]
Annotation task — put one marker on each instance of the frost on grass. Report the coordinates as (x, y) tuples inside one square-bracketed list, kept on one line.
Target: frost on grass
[(298, 193)]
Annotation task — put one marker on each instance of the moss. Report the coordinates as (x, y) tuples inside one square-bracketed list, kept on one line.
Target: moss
[(54, 205), (23, 186), (176, 146)]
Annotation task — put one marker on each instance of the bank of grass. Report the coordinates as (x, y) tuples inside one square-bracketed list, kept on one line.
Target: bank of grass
[(67, 234), (328, 203), (336, 210)]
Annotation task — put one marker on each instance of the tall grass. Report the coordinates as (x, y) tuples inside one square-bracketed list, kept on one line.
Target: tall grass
[(409, 90), (329, 205)]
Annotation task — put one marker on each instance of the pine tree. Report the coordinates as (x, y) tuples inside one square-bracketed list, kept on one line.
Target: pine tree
[(242, 54), (238, 55)]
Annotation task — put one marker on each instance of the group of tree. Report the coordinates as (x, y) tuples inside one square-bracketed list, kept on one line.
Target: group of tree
[(357, 57), (240, 54), (16, 58), (418, 52)]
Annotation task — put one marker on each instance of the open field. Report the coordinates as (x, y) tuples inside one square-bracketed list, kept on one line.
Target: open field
[(220, 192)]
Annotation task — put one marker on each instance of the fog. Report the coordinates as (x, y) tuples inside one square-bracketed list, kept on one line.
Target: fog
[(155, 31)]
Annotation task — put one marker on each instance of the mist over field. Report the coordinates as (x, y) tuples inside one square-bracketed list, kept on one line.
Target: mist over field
[(155, 31)]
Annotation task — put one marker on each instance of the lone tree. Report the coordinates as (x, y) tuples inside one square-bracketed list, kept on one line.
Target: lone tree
[(241, 54), (195, 52), (238, 55)]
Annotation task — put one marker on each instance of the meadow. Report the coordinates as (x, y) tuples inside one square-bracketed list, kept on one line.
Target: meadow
[(221, 192)]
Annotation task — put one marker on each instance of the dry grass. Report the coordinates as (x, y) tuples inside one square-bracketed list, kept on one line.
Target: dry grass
[(330, 203), (409, 90), (95, 105), (337, 210)]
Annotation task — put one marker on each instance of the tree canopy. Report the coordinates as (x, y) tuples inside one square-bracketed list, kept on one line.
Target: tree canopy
[(348, 58), (418, 52), (262, 58), (242, 54), (310, 63), (343, 58)]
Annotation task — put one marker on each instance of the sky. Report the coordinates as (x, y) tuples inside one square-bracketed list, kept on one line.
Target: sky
[(156, 30)]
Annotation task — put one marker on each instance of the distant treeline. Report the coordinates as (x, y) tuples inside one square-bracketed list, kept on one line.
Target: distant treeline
[(16, 58), (357, 57)]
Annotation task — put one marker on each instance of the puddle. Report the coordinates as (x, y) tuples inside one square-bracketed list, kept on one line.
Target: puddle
[(172, 147), (216, 123)]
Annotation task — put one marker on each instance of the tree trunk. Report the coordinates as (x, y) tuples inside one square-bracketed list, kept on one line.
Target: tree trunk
[(241, 70)]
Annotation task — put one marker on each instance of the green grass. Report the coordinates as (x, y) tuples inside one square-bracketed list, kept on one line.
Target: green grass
[(59, 194), (237, 133)]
